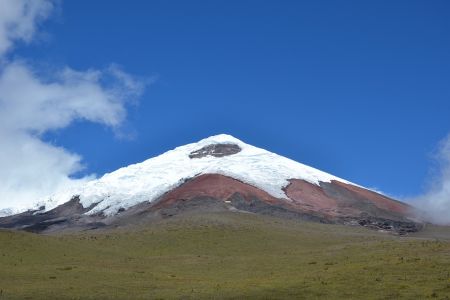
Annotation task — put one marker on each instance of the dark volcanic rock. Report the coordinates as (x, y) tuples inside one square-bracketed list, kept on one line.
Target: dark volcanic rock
[(69, 214), (258, 206), (399, 227), (32, 217), (200, 205), (216, 150)]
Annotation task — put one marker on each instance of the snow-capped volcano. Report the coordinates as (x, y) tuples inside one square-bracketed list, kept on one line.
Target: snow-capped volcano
[(221, 168), (152, 178)]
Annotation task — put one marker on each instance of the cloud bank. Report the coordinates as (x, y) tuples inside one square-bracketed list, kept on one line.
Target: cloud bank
[(33, 103), (435, 203)]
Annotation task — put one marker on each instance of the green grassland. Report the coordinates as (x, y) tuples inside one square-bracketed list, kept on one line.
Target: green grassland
[(226, 256)]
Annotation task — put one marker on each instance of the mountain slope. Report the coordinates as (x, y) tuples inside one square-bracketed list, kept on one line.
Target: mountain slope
[(220, 173), (226, 256)]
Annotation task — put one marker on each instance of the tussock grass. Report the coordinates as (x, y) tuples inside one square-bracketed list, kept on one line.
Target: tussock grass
[(226, 256)]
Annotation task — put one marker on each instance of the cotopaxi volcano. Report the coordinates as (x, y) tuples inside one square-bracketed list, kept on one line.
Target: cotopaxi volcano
[(219, 173)]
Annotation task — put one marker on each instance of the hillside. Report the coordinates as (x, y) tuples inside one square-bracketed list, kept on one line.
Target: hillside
[(226, 256)]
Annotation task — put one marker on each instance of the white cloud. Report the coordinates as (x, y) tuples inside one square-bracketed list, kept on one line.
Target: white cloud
[(32, 103), (29, 104), (436, 201), (18, 20)]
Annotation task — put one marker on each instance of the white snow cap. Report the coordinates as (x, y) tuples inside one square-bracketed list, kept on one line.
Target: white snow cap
[(150, 179)]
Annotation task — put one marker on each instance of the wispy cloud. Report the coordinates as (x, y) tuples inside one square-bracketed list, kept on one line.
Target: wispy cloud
[(19, 19), (435, 203), (33, 103)]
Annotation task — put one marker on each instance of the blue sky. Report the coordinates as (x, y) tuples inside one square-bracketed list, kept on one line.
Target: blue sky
[(359, 89)]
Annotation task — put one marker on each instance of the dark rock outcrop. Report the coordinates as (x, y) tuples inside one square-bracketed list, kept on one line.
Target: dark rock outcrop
[(67, 215), (216, 150)]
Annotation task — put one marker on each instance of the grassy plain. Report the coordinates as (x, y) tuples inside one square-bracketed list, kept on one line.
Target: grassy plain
[(226, 256)]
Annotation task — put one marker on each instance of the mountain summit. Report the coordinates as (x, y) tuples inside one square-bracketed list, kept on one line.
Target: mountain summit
[(219, 173)]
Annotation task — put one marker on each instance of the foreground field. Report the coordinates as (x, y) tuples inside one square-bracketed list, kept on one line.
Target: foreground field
[(226, 256)]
